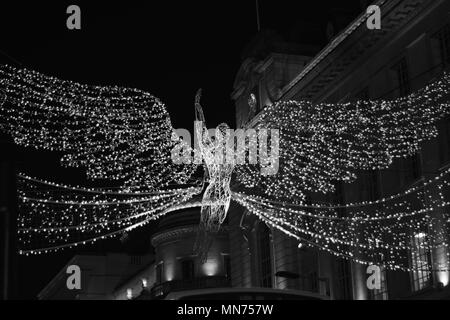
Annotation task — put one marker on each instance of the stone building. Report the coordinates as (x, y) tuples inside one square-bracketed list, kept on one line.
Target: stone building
[(412, 48), (176, 265)]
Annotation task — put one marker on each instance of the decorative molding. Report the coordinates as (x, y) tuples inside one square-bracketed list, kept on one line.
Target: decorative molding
[(179, 232)]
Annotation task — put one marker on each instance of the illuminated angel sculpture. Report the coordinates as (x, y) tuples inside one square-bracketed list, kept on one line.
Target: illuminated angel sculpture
[(218, 170), (125, 136)]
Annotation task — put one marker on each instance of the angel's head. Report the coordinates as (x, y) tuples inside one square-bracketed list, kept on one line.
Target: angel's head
[(222, 132)]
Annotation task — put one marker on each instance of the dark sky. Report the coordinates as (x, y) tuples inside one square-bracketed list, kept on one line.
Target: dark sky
[(168, 48)]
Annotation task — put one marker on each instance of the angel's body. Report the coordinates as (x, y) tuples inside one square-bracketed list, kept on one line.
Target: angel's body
[(218, 170), (217, 195)]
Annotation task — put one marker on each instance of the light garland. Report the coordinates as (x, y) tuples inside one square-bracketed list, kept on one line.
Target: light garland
[(115, 133), (58, 216), (125, 135), (324, 143)]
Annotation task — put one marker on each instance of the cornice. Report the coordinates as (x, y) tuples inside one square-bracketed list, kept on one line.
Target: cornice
[(179, 232)]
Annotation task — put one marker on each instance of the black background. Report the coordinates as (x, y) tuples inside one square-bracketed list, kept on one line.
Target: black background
[(168, 48)]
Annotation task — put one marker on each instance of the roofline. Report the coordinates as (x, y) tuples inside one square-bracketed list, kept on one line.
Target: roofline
[(340, 38), (330, 47)]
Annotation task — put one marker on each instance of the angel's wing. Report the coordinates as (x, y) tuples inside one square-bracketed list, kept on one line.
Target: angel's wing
[(321, 144), (324, 143), (113, 133)]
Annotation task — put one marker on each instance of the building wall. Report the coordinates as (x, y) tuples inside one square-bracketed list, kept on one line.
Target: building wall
[(101, 276), (361, 66), (174, 250), (240, 253), (374, 72), (8, 220)]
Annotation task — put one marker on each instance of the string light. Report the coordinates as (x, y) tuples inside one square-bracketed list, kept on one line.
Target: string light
[(324, 143), (114, 133), (125, 135), (58, 216)]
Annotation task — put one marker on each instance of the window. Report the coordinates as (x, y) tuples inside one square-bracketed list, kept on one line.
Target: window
[(444, 149), (382, 293), (136, 260), (129, 293), (159, 272), (257, 95), (314, 281), (340, 200), (420, 262), (187, 269), (344, 279), (265, 261), (227, 265), (441, 45), (308, 271), (413, 168), (372, 185), (402, 76)]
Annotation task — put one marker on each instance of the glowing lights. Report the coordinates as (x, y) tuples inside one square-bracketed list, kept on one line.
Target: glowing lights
[(211, 267), (125, 135), (117, 134), (218, 170), (322, 144), (420, 235), (54, 216)]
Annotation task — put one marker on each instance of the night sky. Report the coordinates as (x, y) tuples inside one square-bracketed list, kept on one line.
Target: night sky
[(168, 48)]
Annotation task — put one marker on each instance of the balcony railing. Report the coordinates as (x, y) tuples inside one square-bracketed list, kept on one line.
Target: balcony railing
[(161, 290)]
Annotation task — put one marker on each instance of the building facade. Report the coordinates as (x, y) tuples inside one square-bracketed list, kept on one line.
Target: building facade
[(411, 48), (177, 267), (102, 277), (8, 220)]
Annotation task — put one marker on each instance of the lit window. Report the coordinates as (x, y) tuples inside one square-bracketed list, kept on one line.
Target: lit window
[(144, 283), (382, 293), (420, 262), (129, 294)]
